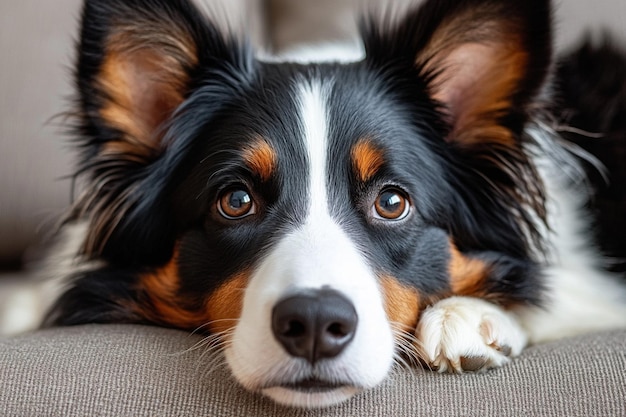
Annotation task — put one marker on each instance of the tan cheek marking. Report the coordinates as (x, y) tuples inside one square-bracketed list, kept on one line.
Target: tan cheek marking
[(261, 159), (366, 160), (219, 313), (225, 304), (467, 276), (402, 304), (164, 305)]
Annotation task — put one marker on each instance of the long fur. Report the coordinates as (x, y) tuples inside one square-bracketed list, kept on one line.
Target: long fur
[(425, 184)]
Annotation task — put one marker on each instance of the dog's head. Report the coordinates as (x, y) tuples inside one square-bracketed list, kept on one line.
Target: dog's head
[(306, 214)]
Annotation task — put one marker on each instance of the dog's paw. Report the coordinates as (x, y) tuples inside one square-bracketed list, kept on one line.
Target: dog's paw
[(468, 334)]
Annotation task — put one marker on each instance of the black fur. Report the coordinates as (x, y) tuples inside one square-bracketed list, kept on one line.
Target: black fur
[(591, 93), (467, 194), (482, 187), (147, 231)]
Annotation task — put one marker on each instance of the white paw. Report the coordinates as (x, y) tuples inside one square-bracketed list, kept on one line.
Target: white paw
[(468, 334)]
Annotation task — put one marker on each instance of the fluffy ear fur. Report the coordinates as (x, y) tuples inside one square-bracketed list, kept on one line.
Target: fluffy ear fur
[(138, 62), (483, 63), (484, 60)]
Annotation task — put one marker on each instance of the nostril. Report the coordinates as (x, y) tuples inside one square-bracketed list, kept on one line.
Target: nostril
[(337, 330), (295, 328)]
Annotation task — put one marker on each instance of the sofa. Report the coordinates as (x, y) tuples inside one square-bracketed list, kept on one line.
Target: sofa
[(124, 370)]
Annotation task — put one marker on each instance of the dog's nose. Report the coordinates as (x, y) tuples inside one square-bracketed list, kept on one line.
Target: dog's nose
[(314, 325)]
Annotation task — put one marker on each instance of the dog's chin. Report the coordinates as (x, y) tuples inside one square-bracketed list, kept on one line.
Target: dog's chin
[(307, 395)]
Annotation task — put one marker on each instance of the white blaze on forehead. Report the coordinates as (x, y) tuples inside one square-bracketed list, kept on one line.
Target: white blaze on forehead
[(316, 254), (315, 132)]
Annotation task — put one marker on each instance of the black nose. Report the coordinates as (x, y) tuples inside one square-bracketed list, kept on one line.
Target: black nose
[(314, 325)]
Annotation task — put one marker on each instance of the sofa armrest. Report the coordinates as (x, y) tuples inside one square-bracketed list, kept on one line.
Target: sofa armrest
[(118, 370)]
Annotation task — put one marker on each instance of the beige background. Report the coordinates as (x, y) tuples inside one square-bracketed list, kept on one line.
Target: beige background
[(36, 50)]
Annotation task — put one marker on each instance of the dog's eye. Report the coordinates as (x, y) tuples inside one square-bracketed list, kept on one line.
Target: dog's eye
[(236, 203), (391, 204)]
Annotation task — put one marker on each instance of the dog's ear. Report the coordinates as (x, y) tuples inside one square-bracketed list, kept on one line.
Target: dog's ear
[(483, 64), (138, 62), (484, 60)]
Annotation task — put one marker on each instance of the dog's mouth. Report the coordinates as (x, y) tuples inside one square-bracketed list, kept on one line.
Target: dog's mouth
[(311, 392), (314, 385)]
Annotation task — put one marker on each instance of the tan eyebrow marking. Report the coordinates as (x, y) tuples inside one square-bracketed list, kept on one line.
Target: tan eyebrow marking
[(367, 159), (260, 158)]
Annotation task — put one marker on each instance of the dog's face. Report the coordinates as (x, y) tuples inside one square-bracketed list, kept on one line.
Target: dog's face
[(327, 256), (306, 214)]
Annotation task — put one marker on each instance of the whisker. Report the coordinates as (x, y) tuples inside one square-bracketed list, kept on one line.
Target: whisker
[(409, 347), (203, 326), (401, 361), (582, 132), (216, 363), (218, 347), (201, 343), (212, 341), (213, 354)]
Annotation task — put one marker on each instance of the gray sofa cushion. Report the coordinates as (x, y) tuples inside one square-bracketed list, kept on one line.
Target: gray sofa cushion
[(122, 370)]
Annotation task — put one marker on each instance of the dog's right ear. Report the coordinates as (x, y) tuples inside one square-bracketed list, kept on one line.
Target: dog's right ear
[(138, 61)]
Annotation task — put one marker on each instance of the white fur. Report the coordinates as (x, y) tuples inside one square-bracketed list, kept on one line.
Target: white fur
[(464, 327), (34, 294), (317, 254), (21, 311), (581, 296)]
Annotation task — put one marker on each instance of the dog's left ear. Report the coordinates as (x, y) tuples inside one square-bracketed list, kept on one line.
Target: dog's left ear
[(484, 60), (483, 64)]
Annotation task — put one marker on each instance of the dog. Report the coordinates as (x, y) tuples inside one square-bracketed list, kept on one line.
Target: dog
[(325, 220)]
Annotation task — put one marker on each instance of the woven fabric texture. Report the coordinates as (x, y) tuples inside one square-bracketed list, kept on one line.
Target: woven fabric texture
[(122, 370)]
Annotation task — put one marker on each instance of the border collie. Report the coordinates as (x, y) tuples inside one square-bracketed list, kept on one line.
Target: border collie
[(325, 220)]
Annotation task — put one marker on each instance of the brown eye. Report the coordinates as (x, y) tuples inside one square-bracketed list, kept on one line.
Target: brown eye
[(391, 204), (235, 204)]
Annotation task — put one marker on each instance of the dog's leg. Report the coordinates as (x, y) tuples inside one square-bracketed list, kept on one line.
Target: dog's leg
[(468, 334)]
